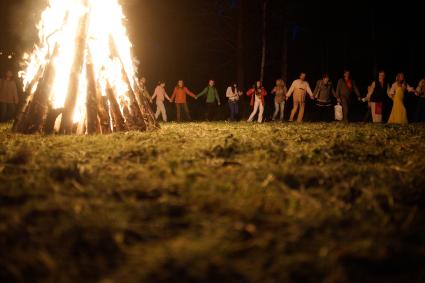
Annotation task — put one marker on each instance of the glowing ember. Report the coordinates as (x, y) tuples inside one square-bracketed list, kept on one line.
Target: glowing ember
[(83, 46)]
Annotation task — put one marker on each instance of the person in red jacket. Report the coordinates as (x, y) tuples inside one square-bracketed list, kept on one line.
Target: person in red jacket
[(179, 96), (257, 94)]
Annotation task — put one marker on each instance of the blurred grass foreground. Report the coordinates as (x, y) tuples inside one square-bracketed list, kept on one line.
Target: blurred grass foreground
[(215, 202)]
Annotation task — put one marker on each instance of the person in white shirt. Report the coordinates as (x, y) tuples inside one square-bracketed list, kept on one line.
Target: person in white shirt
[(257, 94), (299, 89), (160, 94), (233, 93)]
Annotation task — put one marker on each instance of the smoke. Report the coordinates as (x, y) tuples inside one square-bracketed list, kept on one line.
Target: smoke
[(24, 15)]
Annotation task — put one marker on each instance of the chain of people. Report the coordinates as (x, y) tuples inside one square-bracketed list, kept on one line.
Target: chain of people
[(386, 102)]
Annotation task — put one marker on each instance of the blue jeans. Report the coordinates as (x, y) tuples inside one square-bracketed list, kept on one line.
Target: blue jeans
[(234, 110)]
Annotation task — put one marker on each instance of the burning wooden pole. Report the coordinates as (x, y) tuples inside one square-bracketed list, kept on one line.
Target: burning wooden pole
[(92, 98), (141, 112), (37, 106), (23, 110), (147, 111), (117, 117), (71, 98)]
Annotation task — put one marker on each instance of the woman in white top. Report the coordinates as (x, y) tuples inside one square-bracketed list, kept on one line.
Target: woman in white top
[(160, 94), (233, 93), (299, 88)]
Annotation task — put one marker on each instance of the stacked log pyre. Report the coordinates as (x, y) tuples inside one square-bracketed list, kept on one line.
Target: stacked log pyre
[(104, 112)]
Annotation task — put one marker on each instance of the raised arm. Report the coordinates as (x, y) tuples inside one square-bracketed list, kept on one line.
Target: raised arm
[(291, 90), (309, 90), (250, 92), (317, 88), (356, 90), (166, 96), (333, 91), (202, 93), (410, 89), (371, 89), (188, 92), (174, 94), (217, 96), (338, 90)]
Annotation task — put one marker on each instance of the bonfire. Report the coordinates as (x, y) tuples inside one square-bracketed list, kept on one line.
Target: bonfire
[(81, 76)]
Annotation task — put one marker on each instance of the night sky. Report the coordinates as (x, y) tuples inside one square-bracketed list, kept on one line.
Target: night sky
[(196, 40)]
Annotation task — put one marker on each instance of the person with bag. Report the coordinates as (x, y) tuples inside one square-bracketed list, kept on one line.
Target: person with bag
[(212, 99), (299, 89), (323, 94), (233, 94), (179, 96), (377, 92), (347, 93), (279, 91), (257, 94), (160, 94)]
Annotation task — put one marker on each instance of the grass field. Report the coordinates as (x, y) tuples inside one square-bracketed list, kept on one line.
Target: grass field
[(215, 202)]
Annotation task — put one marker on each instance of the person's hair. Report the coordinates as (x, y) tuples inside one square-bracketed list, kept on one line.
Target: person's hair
[(399, 75), (303, 73), (325, 76), (280, 83), (233, 86), (160, 82), (380, 72)]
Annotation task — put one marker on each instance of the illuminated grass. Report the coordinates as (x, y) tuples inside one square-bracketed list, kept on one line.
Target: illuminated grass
[(215, 202)]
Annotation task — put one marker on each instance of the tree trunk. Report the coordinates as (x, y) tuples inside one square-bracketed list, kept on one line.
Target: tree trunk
[(264, 45), (240, 46), (346, 40), (285, 47), (374, 41)]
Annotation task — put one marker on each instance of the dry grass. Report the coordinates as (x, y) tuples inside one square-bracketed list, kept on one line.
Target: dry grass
[(215, 202)]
